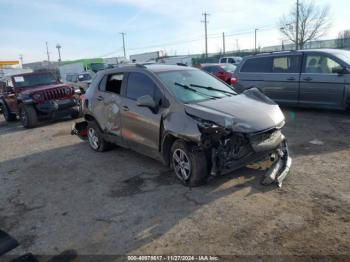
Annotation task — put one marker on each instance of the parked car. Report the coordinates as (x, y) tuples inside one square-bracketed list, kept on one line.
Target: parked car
[(35, 96), (307, 78), (186, 118), (236, 60), (80, 81), (225, 72)]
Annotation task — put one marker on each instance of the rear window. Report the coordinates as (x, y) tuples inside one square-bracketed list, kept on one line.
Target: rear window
[(286, 64), (258, 65)]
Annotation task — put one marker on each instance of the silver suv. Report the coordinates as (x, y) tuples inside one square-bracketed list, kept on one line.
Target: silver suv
[(307, 78)]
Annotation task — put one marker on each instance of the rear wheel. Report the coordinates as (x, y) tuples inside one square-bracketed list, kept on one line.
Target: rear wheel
[(9, 117), (28, 116), (96, 141), (190, 167)]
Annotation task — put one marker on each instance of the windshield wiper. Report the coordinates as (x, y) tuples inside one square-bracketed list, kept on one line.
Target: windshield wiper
[(213, 89), (194, 90)]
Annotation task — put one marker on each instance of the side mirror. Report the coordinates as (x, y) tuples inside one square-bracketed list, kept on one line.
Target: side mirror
[(339, 70), (146, 101)]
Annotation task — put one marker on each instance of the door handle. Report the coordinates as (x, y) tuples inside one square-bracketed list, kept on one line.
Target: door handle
[(291, 78), (125, 108), (307, 78), (100, 98)]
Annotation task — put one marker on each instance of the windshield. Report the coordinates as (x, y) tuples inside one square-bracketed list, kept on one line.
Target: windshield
[(175, 81), (344, 55), (34, 80), (229, 67)]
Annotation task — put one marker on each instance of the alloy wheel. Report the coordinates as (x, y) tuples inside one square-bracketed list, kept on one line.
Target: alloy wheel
[(93, 138), (182, 165)]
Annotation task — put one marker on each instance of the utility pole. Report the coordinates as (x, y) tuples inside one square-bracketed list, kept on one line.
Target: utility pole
[(206, 34), (297, 28), (47, 52), (223, 42), (256, 30), (123, 34), (21, 58), (58, 46)]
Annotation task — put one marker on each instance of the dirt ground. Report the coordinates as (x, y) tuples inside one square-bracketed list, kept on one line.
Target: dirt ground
[(56, 194)]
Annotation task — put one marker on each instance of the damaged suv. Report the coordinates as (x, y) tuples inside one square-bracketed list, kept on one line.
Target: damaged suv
[(186, 118)]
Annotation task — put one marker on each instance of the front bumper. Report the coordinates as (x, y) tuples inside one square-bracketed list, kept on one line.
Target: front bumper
[(280, 168), (272, 146), (53, 106)]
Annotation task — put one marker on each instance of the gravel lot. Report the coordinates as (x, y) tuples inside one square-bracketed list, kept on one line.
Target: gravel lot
[(56, 194)]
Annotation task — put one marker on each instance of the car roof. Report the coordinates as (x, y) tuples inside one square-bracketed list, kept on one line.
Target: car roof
[(155, 68), (291, 52), (31, 73)]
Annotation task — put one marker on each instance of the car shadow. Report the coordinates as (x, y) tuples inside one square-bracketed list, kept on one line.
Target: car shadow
[(114, 202), (16, 126)]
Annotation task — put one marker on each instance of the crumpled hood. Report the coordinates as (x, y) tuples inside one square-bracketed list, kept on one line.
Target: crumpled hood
[(248, 112), (30, 90)]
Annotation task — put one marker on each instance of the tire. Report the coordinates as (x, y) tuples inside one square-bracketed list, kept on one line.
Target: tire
[(75, 113), (28, 116), (95, 138), (9, 117), (190, 167)]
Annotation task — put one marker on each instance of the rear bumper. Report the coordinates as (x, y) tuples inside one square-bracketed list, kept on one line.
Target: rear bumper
[(80, 129)]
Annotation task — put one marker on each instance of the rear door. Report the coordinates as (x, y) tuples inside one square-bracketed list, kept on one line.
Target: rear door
[(141, 125), (282, 83), (276, 76), (319, 86), (107, 103)]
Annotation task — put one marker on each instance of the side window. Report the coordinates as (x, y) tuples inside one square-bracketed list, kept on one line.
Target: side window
[(286, 64), (257, 65), (217, 69), (140, 85), (9, 83), (207, 69), (319, 64), (114, 83), (231, 60)]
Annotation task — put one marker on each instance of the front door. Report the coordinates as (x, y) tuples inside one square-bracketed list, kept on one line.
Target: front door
[(319, 86), (141, 125)]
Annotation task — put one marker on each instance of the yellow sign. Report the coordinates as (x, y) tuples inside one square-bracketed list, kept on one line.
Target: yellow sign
[(2, 63)]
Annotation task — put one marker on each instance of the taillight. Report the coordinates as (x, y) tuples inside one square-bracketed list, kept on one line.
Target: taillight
[(234, 81)]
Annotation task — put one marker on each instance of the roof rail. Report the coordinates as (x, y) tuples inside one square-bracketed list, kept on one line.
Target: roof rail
[(140, 65), (181, 64), (276, 52)]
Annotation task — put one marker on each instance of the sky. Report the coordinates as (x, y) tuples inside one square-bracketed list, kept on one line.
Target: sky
[(91, 28)]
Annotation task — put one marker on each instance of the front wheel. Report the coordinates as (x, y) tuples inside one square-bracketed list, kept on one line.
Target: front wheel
[(9, 117), (96, 141), (190, 167), (28, 116)]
